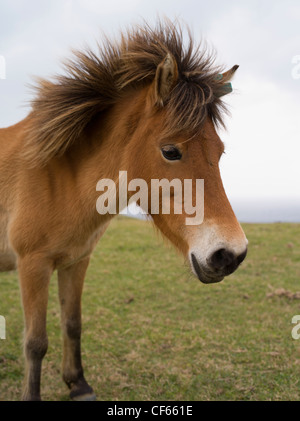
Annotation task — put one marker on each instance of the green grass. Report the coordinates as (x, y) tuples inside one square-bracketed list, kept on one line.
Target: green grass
[(151, 331)]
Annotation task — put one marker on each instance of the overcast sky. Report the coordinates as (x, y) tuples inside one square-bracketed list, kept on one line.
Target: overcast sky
[(263, 37)]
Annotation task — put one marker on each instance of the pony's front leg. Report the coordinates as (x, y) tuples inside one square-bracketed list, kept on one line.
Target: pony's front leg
[(34, 274), (70, 281)]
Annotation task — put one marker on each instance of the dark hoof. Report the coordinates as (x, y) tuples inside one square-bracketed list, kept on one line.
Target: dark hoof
[(81, 391)]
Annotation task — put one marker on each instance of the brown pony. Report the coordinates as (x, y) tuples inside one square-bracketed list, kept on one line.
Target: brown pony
[(147, 105)]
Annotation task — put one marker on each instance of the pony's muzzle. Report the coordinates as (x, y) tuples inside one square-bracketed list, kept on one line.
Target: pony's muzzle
[(221, 263)]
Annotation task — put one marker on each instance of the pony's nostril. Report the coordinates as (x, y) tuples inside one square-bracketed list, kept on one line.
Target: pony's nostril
[(225, 260), (221, 259)]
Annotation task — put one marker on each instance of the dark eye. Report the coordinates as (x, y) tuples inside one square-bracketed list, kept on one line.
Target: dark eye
[(171, 153)]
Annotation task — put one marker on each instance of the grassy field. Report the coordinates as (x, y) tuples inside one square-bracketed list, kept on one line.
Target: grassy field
[(151, 331)]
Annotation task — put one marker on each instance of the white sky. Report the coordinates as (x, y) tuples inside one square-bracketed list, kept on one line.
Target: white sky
[(263, 133)]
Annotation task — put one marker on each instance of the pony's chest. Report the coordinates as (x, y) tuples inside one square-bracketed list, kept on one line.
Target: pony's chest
[(73, 253)]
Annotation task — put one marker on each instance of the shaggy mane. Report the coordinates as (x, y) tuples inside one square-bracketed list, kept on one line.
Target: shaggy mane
[(94, 82)]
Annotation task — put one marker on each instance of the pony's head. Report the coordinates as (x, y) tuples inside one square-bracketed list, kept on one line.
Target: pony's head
[(175, 141)]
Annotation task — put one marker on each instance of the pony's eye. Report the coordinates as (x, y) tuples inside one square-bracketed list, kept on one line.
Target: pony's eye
[(171, 153)]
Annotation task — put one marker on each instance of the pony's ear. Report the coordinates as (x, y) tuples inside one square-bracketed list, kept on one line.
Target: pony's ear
[(225, 86), (230, 73), (165, 79)]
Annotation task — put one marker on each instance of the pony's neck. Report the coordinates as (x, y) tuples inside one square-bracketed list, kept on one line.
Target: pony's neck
[(102, 151)]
